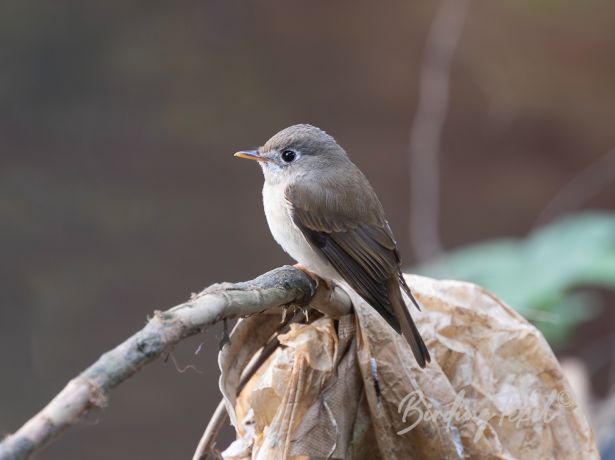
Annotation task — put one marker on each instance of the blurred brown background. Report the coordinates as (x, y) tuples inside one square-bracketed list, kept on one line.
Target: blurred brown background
[(119, 193)]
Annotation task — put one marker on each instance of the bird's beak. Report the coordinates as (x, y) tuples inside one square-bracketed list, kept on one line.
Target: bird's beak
[(251, 155)]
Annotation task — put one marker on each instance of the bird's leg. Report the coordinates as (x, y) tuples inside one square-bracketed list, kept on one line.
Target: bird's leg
[(226, 338), (328, 284)]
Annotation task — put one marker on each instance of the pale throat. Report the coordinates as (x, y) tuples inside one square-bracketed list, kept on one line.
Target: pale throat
[(273, 173)]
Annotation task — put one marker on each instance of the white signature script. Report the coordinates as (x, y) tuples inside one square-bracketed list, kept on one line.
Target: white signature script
[(415, 407)]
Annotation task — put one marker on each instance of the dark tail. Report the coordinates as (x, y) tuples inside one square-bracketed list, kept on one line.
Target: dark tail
[(406, 324)]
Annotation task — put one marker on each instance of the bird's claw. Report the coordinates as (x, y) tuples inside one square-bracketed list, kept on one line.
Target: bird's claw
[(317, 279)]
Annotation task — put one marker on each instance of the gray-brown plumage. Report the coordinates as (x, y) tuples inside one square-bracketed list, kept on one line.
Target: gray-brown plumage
[(322, 210)]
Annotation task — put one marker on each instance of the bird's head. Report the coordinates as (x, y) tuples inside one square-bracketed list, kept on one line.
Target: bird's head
[(297, 151)]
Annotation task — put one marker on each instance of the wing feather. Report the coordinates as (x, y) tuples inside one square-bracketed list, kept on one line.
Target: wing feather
[(364, 254)]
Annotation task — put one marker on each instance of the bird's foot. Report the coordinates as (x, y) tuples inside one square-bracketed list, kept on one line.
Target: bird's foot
[(328, 284)]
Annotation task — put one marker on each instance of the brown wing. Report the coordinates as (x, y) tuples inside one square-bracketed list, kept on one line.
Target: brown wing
[(357, 241)]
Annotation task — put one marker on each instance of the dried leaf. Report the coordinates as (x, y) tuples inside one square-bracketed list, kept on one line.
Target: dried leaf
[(351, 388)]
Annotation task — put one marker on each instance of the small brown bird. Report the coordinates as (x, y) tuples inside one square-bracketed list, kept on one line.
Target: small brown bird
[(324, 213)]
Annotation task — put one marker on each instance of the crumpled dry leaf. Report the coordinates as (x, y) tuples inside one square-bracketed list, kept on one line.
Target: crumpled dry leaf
[(494, 388)]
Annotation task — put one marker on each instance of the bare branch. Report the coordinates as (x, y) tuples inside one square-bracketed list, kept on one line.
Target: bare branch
[(426, 130), (211, 432), (580, 189), (277, 288)]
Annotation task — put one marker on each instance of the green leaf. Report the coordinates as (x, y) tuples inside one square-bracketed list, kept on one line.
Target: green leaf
[(536, 275)]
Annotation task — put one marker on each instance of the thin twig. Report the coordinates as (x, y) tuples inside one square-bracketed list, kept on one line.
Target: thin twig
[(279, 287), (426, 129), (580, 189), (208, 440)]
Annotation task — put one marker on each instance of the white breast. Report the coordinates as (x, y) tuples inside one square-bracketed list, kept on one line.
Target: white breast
[(289, 236)]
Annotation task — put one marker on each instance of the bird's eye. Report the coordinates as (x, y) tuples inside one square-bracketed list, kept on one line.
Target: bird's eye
[(288, 155)]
